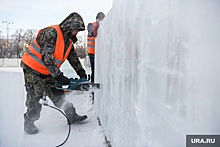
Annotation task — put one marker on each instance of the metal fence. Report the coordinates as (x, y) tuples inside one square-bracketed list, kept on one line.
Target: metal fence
[(9, 62)]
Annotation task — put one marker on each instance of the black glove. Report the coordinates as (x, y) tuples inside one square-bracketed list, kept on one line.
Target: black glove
[(63, 80), (82, 74)]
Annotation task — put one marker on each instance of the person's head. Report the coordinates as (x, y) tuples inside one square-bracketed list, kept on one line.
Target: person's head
[(100, 16), (72, 24), (75, 32)]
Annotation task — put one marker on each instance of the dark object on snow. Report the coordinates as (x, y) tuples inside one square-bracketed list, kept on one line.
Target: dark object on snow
[(29, 126), (73, 116), (45, 103)]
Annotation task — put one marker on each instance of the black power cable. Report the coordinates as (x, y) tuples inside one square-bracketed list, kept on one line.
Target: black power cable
[(67, 120), (46, 104), (68, 124)]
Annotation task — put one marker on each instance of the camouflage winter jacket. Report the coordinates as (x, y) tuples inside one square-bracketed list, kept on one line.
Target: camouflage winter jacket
[(47, 41)]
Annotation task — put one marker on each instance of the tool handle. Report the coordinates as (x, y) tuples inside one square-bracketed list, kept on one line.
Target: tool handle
[(72, 83), (56, 86), (61, 88)]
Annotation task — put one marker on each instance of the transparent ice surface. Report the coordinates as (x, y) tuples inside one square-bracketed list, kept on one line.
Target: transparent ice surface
[(158, 65)]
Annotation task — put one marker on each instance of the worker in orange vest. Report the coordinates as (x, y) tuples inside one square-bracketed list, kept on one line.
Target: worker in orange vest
[(92, 33), (41, 62)]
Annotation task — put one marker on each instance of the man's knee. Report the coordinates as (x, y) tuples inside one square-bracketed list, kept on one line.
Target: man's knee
[(57, 97)]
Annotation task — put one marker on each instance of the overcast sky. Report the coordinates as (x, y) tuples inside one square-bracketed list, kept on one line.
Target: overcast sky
[(37, 14)]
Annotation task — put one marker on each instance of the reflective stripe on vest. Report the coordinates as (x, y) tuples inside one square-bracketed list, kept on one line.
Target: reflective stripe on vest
[(91, 43), (32, 56)]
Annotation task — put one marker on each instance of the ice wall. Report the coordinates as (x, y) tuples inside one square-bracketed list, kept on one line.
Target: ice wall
[(11, 107), (158, 65)]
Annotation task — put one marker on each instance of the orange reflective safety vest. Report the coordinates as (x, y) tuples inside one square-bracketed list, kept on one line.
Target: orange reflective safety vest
[(32, 56), (91, 43)]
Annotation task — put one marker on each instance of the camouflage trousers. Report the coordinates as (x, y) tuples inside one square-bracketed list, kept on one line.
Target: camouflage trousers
[(36, 88)]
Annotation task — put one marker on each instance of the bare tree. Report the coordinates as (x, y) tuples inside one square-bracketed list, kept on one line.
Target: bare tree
[(14, 48), (20, 37), (3, 44), (17, 47), (80, 47), (29, 35)]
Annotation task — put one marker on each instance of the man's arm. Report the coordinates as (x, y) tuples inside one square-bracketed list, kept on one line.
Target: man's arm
[(47, 41), (95, 29), (75, 63), (90, 29)]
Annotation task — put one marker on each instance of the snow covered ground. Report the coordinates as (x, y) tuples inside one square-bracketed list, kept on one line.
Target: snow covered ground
[(52, 125)]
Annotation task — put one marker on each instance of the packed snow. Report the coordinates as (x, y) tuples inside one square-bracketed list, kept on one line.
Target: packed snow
[(53, 128)]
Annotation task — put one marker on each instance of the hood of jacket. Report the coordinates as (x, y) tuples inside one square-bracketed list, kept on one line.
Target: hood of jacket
[(71, 22)]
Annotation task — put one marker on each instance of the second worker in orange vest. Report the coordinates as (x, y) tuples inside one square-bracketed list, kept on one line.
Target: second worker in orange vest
[(41, 62), (92, 33)]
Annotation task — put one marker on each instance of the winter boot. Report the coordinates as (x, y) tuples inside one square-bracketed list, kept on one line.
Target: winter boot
[(73, 117), (29, 126)]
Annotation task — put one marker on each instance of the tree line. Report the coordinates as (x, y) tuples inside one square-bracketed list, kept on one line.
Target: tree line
[(15, 46)]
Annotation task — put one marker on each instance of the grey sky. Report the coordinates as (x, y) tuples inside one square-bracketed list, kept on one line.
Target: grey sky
[(32, 14)]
